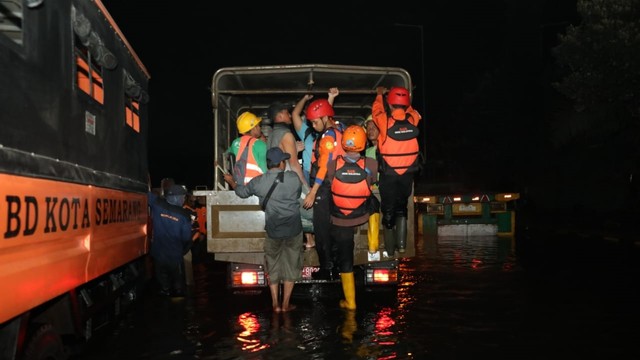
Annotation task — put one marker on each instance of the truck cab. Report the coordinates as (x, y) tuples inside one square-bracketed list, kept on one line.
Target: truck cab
[(235, 226)]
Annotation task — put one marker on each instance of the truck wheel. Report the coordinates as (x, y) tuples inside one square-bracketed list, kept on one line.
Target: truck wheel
[(45, 344)]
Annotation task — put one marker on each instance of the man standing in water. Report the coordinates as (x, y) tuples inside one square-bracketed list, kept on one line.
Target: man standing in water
[(283, 243)]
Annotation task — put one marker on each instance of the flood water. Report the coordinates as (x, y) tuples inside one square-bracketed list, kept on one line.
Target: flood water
[(533, 297)]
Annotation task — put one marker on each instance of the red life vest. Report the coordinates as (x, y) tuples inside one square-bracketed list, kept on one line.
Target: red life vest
[(400, 149), (350, 189)]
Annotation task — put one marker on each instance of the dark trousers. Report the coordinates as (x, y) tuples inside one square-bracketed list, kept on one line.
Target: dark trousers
[(322, 226), (344, 244), (394, 193), (170, 276)]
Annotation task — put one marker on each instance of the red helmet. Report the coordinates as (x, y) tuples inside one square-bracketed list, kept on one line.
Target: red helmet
[(319, 108), (354, 138), (398, 96)]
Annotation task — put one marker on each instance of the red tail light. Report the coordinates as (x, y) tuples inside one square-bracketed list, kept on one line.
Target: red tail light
[(248, 277), (382, 276)]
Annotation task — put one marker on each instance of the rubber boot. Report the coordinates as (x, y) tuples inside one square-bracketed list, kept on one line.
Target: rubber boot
[(401, 234), (389, 242), (349, 289), (373, 233), (349, 326)]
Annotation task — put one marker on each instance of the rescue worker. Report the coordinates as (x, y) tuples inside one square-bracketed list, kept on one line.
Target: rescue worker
[(248, 125), (352, 177), (398, 147), (308, 135), (320, 113), (171, 238), (326, 147)]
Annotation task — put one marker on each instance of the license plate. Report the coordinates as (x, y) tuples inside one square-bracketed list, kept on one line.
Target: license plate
[(467, 209), (308, 270)]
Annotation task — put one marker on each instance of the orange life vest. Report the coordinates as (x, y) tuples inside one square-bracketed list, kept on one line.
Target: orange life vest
[(350, 189), (252, 170), (400, 149), (202, 219)]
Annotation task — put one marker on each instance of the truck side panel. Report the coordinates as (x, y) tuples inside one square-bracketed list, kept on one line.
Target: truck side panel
[(73, 171), (60, 235)]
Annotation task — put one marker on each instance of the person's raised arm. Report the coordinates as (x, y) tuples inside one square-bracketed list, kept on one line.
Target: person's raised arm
[(332, 94), (289, 143), (296, 114)]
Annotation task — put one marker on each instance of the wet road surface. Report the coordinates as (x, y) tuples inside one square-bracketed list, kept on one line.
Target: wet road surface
[(536, 297)]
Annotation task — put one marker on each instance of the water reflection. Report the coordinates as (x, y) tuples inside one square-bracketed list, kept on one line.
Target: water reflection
[(476, 252), (458, 297), (250, 326)]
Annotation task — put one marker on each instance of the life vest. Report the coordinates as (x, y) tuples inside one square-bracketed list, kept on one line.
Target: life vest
[(400, 149), (337, 150), (252, 169), (350, 189), (202, 219)]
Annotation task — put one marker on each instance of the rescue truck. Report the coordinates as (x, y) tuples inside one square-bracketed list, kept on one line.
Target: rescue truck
[(235, 226), (73, 175)]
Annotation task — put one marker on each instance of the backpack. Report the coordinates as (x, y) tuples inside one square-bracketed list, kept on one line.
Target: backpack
[(240, 167)]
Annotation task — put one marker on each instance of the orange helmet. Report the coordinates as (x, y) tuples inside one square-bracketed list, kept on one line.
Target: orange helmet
[(398, 95), (354, 138), (319, 108)]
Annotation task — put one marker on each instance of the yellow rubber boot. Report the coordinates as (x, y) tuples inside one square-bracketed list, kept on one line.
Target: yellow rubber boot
[(373, 233), (349, 289), (349, 326)]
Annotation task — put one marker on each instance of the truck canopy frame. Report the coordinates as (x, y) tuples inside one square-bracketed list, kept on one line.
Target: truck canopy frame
[(238, 89)]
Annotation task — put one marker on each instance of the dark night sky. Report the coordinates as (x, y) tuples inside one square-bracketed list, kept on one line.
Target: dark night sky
[(483, 61)]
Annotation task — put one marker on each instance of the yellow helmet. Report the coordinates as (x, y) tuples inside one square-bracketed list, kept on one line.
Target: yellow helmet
[(369, 118), (247, 121)]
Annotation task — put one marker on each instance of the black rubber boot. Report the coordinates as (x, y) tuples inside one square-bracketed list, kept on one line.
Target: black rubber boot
[(401, 234), (389, 242)]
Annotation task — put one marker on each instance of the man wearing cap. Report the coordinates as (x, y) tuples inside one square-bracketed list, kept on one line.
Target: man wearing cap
[(281, 136), (171, 238), (248, 125), (283, 246)]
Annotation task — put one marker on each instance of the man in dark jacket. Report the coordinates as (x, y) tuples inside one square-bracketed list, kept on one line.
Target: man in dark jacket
[(171, 238)]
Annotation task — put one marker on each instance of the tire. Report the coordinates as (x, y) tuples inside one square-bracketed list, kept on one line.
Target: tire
[(45, 344)]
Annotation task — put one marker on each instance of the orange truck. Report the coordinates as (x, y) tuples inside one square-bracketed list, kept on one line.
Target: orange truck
[(73, 176)]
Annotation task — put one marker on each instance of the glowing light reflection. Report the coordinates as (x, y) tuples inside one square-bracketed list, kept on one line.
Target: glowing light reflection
[(249, 322)]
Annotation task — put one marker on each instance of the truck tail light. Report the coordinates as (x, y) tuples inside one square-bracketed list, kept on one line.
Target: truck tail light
[(381, 276), (248, 277)]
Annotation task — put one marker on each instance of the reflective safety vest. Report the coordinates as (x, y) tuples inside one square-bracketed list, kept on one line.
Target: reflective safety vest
[(252, 169), (350, 189), (400, 149)]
